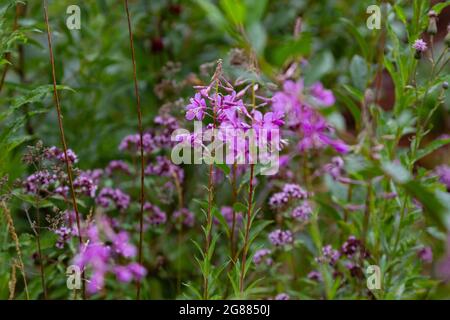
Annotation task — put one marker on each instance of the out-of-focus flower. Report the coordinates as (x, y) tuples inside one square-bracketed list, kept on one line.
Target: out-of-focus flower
[(117, 165), (132, 143), (329, 255), (420, 45), (55, 153), (85, 185), (156, 215), (294, 191), (164, 167), (278, 200), (184, 216), (443, 172), (352, 247), (107, 195), (40, 180), (425, 254), (262, 255), (302, 212), (281, 237), (315, 275), (282, 296), (322, 96)]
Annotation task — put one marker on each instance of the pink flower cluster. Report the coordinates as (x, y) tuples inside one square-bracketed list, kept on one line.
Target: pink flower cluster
[(54, 153), (230, 115), (104, 252), (108, 196), (290, 191), (299, 102)]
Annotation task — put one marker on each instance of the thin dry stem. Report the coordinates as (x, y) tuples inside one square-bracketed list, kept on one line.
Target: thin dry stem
[(61, 127), (139, 114)]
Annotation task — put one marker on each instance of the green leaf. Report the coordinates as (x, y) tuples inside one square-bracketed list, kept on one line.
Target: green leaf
[(290, 48), (434, 208), (397, 172), (239, 207), (432, 146), (358, 72), (440, 6), (36, 95), (223, 167), (357, 36), (234, 10), (318, 66), (257, 37), (219, 216), (214, 15)]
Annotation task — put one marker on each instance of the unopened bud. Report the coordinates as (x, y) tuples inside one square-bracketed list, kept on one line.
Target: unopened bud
[(447, 37), (445, 85), (432, 26)]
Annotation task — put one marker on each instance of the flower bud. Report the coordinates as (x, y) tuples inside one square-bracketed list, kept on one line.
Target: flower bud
[(447, 37), (445, 85), (432, 26)]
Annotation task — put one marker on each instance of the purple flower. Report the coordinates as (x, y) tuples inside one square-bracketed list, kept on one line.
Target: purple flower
[(132, 143), (40, 180), (227, 213), (280, 237), (117, 165), (302, 212), (329, 255), (282, 296), (443, 172), (354, 246), (107, 195), (64, 235), (185, 217), (57, 154), (278, 200), (121, 245), (105, 252), (315, 275), (164, 167), (137, 270), (288, 101), (157, 216), (420, 45), (96, 282), (123, 274), (262, 255), (316, 134), (85, 185), (321, 95), (196, 108), (425, 254), (294, 191)]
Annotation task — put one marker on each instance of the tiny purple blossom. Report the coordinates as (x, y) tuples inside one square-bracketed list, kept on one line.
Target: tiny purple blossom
[(420, 45), (425, 254), (280, 237)]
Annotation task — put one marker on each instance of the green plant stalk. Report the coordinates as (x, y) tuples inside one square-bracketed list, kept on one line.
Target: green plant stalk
[(247, 230), (210, 202)]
